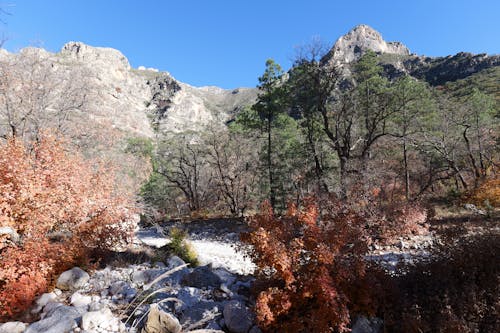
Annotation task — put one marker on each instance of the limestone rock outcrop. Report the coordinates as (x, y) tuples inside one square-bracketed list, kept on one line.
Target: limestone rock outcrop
[(356, 42)]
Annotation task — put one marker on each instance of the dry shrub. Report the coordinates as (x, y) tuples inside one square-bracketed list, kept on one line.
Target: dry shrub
[(62, 206), (487, 194), (458, 290), (394, 220), (308, 267), (389, 215)]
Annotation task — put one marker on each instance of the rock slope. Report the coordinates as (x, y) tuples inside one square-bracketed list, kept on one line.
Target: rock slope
[(397, 59), (128, 99)]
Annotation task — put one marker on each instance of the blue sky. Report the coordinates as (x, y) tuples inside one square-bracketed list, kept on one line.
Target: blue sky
[(226, 43)]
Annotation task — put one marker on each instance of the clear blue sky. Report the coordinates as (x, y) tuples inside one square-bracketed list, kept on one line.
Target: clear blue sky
[(226, 43)]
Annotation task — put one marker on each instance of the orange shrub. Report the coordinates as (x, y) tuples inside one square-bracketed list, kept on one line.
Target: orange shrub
[(487, 192), (308, 266), (62, 207)]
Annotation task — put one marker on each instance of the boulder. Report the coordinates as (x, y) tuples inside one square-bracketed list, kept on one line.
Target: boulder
[(160, 321), (365, 325), (202, 277), (175, 261), (53, 324), (203, 311), (94, 319), (237, 317), (13, 327), (64, 311), (73, 279), (188, 297)]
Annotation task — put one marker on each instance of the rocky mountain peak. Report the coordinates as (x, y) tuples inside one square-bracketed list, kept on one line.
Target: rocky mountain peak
[(85, 53), (356, 42)]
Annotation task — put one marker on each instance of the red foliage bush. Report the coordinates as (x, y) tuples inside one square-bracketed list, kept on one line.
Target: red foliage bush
[(388, 215), (457, 290), (62, 207), (393, 220), (309, 267)]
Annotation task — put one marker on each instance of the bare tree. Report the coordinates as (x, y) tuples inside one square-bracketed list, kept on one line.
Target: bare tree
[(182, 161), (38, 92), (233, 161)]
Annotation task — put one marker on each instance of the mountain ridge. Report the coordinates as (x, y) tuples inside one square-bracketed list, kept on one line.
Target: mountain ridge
[(145, 101)]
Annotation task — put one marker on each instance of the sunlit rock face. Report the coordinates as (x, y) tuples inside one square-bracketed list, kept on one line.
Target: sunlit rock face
[(356, 42), (137, 102)]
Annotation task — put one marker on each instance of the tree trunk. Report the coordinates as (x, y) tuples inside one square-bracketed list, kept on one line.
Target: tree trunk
[(407, 171), (343, 177), (272, 194)]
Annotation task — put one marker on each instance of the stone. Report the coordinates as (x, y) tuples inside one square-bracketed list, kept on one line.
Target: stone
[(175, 261), (160, 321), (64, 311), (201, 277), (78, 299), (73, 279), (213, 325), (94, 319), (365, 325), (43, 300), (11, 234), (122, 290), (53, 324), (225, 275), (188, 297), (475, 210), (205, 330), (13, 327), (203, 311), (237, 317)]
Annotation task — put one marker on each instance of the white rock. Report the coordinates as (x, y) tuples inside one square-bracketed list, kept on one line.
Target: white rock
[(73, 279), (43, 300), (78, 299), (13, 327), (97, 319)]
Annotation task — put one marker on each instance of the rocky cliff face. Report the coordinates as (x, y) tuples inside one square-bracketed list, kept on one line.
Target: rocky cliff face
[(356, 42), (140, 102), (397, 60)]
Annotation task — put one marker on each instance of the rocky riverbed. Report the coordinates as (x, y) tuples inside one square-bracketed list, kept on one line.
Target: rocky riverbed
[(165, 294)]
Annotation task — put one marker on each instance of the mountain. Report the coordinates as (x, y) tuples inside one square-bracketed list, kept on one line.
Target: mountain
[(140, 102), (355, 43), (397, 59), (101, 102)]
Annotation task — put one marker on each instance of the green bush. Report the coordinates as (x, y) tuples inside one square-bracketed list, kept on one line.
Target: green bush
[(181, 247)]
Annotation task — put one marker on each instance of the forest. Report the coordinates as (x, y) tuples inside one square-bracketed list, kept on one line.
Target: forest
[(314, 131)]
